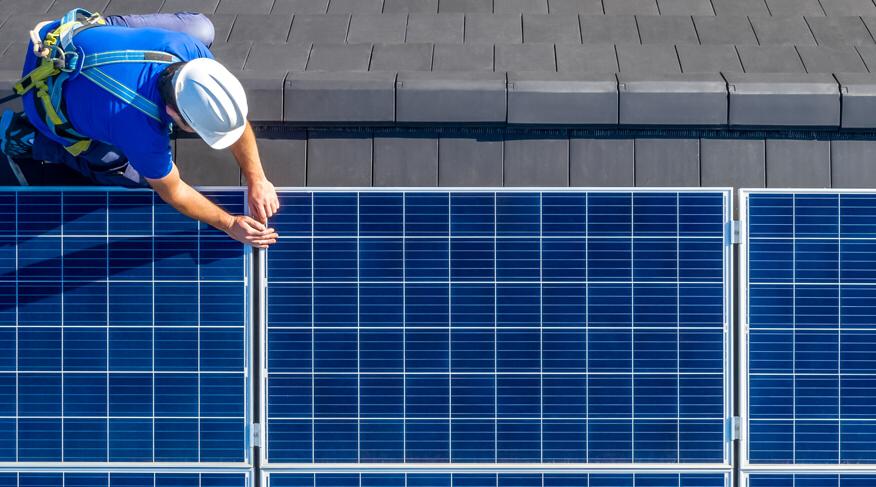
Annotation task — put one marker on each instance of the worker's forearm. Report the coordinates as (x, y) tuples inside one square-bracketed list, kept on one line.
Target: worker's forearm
[(193, 204), (246, 153)]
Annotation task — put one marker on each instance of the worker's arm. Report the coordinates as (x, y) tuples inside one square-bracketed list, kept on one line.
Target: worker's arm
[(175, 192), (263, 202)]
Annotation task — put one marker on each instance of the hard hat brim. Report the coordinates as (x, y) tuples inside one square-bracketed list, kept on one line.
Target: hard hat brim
[(222, 141)]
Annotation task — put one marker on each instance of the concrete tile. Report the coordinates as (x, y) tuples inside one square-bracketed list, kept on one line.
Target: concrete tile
[(784, 31), (612, 29), (562, 99), (435, 28), (493, 28), (120, 7), (783, 99), (286, 57), (222, 24), (338, 159), (451, 97), (411, 6), (588, 58), (13, 57), (851, 164), (25, 8), (797, 163), (470, 161), (520, 6), (630, 7), (339, 57), (666, 29), (249, 7), (709, 59), (672, 99), (60, 7), (322, 96), (401, 57), (740, 7), (653, 59), (403, 159), (735, 163), (320, 28), (525, 57), (297, 7), (373, 28), (667, 162), (858, 93), (831, 59), (685, 7), (203, 6), (284, 159), (264, 93), (536, 161), (840, 31), (772, 59), (601, 162), (787, 8), (868, 53), (848, 7), (465, 6), (18, 26), (8, 78), (201, 165), (463, 57), (725, 30), (592, 7), (556, 29), (355, 6), (261, 28), (232, 54)]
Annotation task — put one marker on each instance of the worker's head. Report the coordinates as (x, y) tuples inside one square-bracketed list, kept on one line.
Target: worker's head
[(203, 97)]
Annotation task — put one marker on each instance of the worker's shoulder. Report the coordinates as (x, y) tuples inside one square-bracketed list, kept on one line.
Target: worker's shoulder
[(112, 37)]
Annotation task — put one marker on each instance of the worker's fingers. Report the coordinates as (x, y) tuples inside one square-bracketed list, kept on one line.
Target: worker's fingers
[(258, 212), (269, 210), (271, 235), (255, 224)]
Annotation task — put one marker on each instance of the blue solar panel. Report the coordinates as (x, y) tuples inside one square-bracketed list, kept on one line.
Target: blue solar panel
[(811, 319), (122, 331), (811, 480), (122, 479), (509, 326), (499, 480)]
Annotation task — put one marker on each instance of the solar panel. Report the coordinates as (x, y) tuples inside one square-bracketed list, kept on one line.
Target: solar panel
[(810, 480), (810, 323), (499, 480), (121, 479), (122, 331), (510, 326)]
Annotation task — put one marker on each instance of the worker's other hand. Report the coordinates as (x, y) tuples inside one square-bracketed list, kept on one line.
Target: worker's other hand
[(251, 232), (263, 202)]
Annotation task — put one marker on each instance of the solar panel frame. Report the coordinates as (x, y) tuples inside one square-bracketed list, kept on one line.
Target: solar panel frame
[(728, 342)]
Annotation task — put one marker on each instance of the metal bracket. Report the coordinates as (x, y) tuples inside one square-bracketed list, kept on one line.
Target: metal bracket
[(732, 429), (256, 433), (731, 232)]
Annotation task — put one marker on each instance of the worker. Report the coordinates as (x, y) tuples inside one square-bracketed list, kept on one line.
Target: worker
[(101, 96)]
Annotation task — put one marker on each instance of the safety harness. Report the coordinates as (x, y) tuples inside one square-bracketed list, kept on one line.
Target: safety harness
[(62, 60)]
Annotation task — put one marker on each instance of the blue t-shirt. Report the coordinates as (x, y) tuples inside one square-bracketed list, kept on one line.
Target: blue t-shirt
[(99, 115)]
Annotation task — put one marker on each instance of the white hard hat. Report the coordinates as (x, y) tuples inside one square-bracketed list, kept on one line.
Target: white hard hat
[(212, 101)]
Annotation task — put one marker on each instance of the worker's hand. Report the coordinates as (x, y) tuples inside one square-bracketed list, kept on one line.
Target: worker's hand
[(263, 202), (246, 230)]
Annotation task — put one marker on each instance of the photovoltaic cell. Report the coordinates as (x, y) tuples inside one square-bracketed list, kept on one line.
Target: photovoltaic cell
[(811, 480), (471, 326), (499, 480), (122, 331), (121, 479), (811, 329)]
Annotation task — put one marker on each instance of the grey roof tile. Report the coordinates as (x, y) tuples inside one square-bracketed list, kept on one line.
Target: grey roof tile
[(666, 29), (435, 28), (562, 98), (355, 6), (630, 7), (601, 162), (401, 57), (740, 7), (667, 162), (264, 93), (851, 164), (575, 7), (493, 28), (797, 163), (201, 165), (771, 59), (232, 54), (203, 6), (653, 59), (286, 57), (451, 97), (387, 28), (858, 92), (587, 58), (848, 7), (709, 59), (17, 26), (261, 28), (465, 6), (411, 6), (117, 7), (25, 8), (467, 161), (463, 57), (868, 53), (299, 7), (7, 81), (13, 56), (685, 7), (323, 96), (558, 29), (612, 29), (402, 159), (783, 99), (821, 59), (531, 162), (839, 31), (725, 30), (284, 159), (673, 99), (525, 57), (520, 6), (330, 28), (785, 8), (339, 57), (782, 31), (338, 159), (61, 7), (221, 26), (235, 7), (732, 163)]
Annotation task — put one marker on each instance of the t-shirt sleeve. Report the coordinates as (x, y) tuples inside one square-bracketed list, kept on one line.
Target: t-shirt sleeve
[(152, 164)]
